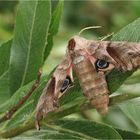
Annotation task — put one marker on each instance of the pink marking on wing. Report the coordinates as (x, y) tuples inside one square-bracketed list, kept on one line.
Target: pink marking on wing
[(69, 70), (90, 57)]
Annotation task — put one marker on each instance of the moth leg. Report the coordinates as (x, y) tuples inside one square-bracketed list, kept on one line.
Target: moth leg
[(49, 99)]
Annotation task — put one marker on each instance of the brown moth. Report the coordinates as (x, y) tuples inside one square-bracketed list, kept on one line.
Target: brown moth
[(90, 60)]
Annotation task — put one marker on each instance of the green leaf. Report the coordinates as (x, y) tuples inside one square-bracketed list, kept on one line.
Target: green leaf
[(27, 53), (47, 133), (21, 116), (15, 98), (4, 87), (89, 128), (4, 56), (116, 78), (128, 135), (53, 27), (130, 33), (22, 92), (74, 129), (4, 74), (132, 111)]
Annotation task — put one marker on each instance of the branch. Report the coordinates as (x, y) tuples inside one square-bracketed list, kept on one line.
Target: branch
[(77, 105)]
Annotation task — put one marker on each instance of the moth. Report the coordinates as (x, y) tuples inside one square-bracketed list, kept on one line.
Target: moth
[(90, 60)]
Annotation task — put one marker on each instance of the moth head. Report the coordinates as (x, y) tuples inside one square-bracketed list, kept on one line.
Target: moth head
[(103, 65), (76, 43), (71, 44)]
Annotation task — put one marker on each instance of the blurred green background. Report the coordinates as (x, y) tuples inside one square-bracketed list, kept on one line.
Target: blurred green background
[(111, 15)]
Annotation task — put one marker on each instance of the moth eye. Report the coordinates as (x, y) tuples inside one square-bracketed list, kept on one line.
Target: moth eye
[(67, 82), (101, 64)]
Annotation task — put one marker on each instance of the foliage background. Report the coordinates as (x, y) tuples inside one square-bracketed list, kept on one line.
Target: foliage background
[(112, 16)]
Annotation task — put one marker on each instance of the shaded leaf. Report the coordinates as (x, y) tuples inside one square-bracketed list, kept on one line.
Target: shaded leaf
[(74, 129), (4, 87), (116, 78), (47, 134), (27, 53), (4, 74), (89, 128), (128, 135), (132, 111), (4, 56), (15, 98)]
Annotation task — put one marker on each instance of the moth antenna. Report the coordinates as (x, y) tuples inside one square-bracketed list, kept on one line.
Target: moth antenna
[(90, 27), (107, 36)]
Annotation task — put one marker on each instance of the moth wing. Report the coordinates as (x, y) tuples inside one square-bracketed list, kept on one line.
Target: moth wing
[(123, 55), (48, 99), (126, 54)]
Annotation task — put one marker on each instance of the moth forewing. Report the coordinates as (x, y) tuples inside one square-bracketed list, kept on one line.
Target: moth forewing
[(45, 103), (126, 54), (49, 99)]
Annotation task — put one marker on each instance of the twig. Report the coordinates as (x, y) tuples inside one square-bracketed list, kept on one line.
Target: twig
[(10, 113)]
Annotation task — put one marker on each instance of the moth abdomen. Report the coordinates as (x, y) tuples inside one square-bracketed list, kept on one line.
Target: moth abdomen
[(93, 84), (101, 104), (98, 96)]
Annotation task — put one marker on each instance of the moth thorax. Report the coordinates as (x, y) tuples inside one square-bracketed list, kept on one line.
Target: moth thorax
[(78, 59)]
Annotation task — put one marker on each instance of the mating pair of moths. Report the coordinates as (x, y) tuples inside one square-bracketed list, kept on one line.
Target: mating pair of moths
[(90, 60)]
